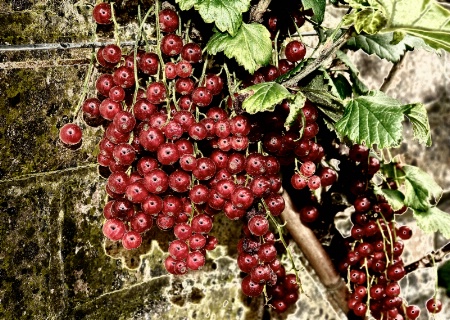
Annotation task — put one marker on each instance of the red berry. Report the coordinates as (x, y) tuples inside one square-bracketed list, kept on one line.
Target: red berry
[(168, 20), (251, 288), (434, 305), (131, 240), (295, 51), (102, 13), (171, 45), (191, 52), (70, 134), (114, 229)]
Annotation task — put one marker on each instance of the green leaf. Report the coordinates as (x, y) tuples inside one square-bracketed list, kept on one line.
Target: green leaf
[(263, 97), (251, 46), (226, 14), (420, 188), (343, 86), (318, 7), (394, 197), (370, 21), (433, 220), (359, 87), (422, 18), (417, 115), (382, 45), (297, 102), (372, 119), (187, 4)]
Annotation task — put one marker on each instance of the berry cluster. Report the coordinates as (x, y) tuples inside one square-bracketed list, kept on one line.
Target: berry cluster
[(179, 150), (373, 264)]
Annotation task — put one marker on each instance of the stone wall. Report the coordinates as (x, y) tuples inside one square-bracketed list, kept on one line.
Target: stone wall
[(55, 262)]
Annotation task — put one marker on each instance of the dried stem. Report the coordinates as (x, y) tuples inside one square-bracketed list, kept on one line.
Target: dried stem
[(316, 255), (430, 259), (392, 73), (257, 12), (329, 49)]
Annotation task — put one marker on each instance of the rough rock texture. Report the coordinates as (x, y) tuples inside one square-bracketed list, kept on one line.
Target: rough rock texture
[(55, 262)]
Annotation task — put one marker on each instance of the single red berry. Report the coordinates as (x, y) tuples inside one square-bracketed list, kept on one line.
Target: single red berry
[(168, 20), (131, 240), (251, 288), (191, 52), (102, 13), (434, 305), (114, 229), (171, 45), (70, 134), (295, 51)]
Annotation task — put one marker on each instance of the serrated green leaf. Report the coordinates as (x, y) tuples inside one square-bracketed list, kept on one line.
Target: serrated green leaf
[(226, 14), (383, 47), (417, 115), (263, 97), (422, 18), (297, 102), (433, 220), (187, 4), (420, 188), (251, 46), (372, 119), (370, 21), (394, 197), (318, 7)]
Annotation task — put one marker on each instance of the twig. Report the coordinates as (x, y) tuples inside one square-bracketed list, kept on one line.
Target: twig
[(392, 73), (316, 255), (329, 49), (256, 12), (429, 260)]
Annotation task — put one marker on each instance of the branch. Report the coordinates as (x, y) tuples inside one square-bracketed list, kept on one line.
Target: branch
[(392, 73), (256, 12), (316, 255), (329, 49), (427, 261)]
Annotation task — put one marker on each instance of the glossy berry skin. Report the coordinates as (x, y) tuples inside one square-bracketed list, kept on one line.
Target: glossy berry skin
[(168, 20), (171, 45), (70, 134), (112, 53), (412, 312), (258, 225), (295, 51), (191, 52), (141, 222), (149, 63), (309, 214), (131, 240), (156, 92), (114, 229), (102, 13), (214, 84), (195, 260), (183, 69), (104, 83), (201, 97), (251, 288), (124, 77), (434, 306)]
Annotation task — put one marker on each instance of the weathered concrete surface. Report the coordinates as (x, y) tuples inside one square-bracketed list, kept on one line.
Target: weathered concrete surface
[(55, 262)]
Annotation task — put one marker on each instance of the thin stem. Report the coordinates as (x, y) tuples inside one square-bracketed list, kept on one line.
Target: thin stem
[(430, 259), (116, 25), (283, 241), (392, 73), (85, 84)]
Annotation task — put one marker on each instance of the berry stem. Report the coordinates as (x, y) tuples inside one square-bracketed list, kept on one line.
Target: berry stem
[(116, 25), (283, 241), (85, 84), (158, 48)]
